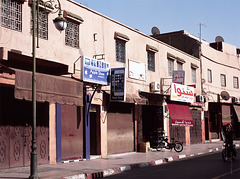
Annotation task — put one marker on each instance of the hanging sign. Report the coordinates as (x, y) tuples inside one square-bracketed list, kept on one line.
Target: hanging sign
[(178, 77), (182, 93), (118, 84), (137, 70), (95, 71)]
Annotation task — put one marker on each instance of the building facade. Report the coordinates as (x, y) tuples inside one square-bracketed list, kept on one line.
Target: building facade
[(220, 79), (78, 118)]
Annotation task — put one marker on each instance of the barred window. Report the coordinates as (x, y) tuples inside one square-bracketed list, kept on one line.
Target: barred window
[(11, 15), (223, 80), (170, 67), (151, 61), (194, 70), (209, 73), (72, 35), (179, 66), (42, 24), (120, 50), (235, 82)]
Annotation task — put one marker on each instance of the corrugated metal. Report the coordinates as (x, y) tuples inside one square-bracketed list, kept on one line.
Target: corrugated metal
[(72, 132), (120, 133)]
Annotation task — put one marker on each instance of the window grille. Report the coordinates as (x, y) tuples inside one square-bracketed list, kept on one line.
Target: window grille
[(235, 82), (194, 80), (170, 67), (120, 50), (209, 72), (72, 35), (223, 80), (151, 61), (11, 15), (42, 24), (179, 66)]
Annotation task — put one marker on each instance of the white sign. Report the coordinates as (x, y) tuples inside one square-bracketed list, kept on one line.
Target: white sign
[(137, 70), (182, 93), (178, 77)]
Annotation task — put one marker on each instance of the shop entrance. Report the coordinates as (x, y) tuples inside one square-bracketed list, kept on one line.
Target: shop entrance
[(152, 117)]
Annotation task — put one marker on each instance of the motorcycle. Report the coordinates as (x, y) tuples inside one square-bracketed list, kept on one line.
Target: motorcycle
[(229, 151), (160, 141)]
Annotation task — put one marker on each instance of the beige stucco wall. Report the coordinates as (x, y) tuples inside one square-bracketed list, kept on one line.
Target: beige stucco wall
[(219, 63)]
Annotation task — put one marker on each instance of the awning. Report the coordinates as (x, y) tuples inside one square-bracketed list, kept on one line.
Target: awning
[(135, 98), (237, 110), (226, 114), (180, 115), (55, 89)]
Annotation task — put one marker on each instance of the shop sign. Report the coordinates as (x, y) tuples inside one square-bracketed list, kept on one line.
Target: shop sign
[(95, 71), (118, 84), (178, 77), (182, 93), (137, 70)]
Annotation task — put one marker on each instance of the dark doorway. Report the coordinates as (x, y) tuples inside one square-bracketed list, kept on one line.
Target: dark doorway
[(152, 117)]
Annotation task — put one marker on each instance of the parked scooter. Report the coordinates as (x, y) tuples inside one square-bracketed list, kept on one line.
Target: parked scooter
[(158, 141)]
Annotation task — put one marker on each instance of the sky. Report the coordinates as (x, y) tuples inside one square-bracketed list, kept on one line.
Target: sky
[(219, 17)]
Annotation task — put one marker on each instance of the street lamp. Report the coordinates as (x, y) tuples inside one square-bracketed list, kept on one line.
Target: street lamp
[(61, 24)]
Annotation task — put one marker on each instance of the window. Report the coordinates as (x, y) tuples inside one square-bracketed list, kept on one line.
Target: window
[(11, 15), (209, 73), (223, 80), (179, 66), (170, 67), (42, 24), (235, 82), (151, 61), (194, 72), (120, 50), (72, 35)]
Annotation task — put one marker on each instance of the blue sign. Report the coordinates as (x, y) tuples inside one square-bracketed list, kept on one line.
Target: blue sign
[(95, 71)]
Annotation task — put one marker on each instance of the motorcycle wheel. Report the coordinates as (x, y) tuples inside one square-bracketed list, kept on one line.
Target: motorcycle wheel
[(160, 146), (224, 155), (178, 147)]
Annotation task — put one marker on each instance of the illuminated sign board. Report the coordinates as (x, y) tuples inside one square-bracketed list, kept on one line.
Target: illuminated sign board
[(118, 84), (95, 71)]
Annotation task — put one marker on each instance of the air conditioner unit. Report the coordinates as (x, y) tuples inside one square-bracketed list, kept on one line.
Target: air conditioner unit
[(155, 86), (235, 100), (200, 98)]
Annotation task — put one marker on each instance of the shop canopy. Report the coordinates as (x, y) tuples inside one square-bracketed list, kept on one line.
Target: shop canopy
[(55, 89), (180, 115), (237, 110)]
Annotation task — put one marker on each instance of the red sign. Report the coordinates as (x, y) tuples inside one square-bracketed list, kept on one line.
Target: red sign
[(178, 77)]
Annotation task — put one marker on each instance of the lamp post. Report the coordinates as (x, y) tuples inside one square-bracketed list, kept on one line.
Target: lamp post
[(61, 24)]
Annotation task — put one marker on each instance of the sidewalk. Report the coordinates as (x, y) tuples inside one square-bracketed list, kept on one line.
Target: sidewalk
[(101, 167)]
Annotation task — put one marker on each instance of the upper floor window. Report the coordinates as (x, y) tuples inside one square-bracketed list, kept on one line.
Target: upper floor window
[(235, 82), (194, 72), (42, 24), (121, 40), (179, 66), (151, 57), (72, 34), (151, 61), (11, 15), (170, 67), (180, 63), (209, 73), (223, 80), (120, 51)]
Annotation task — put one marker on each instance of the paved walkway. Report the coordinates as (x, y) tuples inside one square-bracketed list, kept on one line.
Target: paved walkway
[(101, 167)]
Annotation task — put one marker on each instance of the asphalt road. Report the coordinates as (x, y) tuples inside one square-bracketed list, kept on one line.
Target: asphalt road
[(204, 166)]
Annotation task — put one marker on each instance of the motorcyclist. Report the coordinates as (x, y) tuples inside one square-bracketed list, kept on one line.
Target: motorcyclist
[(229, 134)]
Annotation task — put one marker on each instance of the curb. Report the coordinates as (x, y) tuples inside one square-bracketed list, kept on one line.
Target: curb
[(113, 171)]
